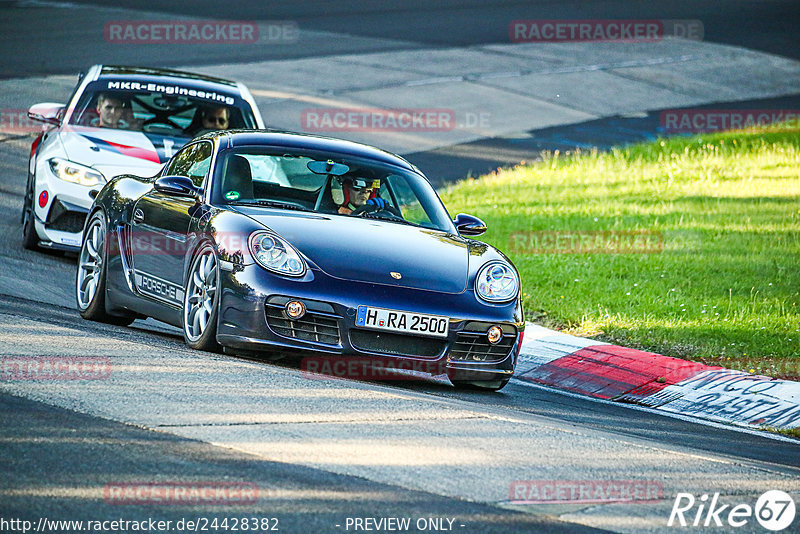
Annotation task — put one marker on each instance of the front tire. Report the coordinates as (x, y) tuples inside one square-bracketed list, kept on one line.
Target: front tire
[(30, 240), (481, 385), (90, 281), (201, 301)]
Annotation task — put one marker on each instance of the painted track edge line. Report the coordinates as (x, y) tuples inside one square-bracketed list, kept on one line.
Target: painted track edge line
[(618, 374), (736, 427)]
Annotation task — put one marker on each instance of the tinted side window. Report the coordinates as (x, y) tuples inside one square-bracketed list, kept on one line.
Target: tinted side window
[(193, 162)]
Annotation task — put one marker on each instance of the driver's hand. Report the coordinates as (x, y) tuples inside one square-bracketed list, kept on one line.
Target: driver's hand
[(377, 201)]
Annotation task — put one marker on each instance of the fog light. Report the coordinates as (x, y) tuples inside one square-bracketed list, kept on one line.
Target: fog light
[(295, 309), (494, 334)]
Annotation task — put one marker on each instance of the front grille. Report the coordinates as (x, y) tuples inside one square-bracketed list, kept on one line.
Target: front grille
[(70, 221), (475, 347), (396, 344), (316, 327)]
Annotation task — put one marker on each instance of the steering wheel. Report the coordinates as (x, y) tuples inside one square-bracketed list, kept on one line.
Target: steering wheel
[(372, 208)]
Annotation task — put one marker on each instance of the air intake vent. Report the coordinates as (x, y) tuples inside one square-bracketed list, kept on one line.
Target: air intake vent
[(314, 326), (471, 345), (396, 344)]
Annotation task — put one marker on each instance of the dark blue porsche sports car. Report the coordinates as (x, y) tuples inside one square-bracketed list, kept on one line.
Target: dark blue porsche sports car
[(263, 241)]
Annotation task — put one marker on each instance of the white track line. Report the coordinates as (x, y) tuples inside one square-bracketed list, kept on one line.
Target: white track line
[(687, 418)]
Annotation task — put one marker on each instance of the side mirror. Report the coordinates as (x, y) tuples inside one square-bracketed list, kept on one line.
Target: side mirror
[(178, 186), (469, 225), (47, 112)]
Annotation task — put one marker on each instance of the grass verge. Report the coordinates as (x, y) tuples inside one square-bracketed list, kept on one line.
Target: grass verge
[(688, 246), (790, 432)]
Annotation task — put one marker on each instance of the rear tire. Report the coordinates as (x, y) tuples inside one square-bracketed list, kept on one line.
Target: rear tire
[(90, 280), (201, 301)]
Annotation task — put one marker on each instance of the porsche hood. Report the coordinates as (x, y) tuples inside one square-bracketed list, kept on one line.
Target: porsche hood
[(369, 250)]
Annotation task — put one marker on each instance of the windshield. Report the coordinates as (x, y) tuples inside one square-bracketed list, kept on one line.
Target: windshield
[(340, 186), (161, 108)]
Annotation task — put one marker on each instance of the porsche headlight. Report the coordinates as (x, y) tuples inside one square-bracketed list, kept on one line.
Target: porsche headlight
[(76, 173), (497, 282), (276, 254)]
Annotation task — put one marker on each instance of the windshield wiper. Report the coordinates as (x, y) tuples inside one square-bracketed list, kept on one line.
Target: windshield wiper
[(273, 204), (389, 218)]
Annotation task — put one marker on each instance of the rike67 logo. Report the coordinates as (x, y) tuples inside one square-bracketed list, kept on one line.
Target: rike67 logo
[(774, 510)]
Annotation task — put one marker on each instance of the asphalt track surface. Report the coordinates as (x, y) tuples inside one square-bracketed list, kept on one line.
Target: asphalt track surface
[(54, 459), (36, 45), (300, 498)]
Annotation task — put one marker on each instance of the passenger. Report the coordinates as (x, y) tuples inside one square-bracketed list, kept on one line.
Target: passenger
[(216, 118), (208, 119)]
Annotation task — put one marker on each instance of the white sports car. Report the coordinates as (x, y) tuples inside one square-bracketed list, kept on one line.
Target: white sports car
[(118, 120)]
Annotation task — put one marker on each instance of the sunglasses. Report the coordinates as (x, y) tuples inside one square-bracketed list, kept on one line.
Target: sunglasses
[(359, 184)]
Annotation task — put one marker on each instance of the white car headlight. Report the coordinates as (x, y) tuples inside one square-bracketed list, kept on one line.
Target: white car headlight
[(497, 282), (75, 172), (276, 254)]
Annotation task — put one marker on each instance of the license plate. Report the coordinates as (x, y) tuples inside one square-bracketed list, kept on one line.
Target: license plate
[(399, 321)]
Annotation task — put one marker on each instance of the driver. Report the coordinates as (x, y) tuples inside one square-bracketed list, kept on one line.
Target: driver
[(357, 192), (115, 112)]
